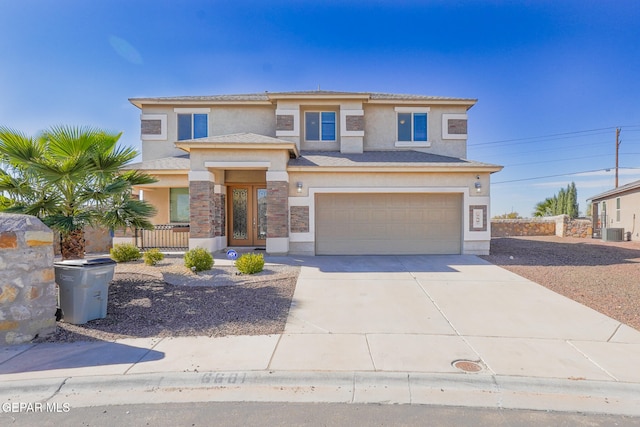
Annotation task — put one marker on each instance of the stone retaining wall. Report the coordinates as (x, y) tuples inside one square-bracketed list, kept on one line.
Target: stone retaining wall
[(559, 225), (27, 279), (522, 227)]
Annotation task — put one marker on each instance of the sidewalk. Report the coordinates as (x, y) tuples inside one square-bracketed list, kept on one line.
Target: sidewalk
[(367, 330)]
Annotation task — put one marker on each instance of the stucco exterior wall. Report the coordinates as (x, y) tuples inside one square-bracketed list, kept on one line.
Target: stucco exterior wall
[(255, 119), (277, 160), (390, 179), (474, 241), (380, 131), (159, 197), (222, 120), (629, 213)]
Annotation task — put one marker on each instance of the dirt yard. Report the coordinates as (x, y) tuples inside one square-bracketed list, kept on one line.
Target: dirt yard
[(602, 275), (169, 300)]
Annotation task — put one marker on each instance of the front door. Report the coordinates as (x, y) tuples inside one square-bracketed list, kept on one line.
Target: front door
[(248, 215)]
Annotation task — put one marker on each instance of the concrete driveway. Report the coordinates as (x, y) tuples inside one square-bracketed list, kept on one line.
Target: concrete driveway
[(423, 313)]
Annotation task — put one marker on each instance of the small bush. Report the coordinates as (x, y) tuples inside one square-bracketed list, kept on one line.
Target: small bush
[(199, 258), (250, 263), (123, 252), (152, 256)]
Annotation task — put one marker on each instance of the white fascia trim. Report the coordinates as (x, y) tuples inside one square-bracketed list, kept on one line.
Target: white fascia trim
[(201, 176), (237, 165), (163, 127), (343, 122), (412, 109), (296, 122), (277, 176), (192, 110), (445, 126)]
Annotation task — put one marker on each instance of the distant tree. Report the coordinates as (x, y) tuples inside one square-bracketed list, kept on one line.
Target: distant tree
[(510, 215), (563, 203), (546, 207), (572, 201)]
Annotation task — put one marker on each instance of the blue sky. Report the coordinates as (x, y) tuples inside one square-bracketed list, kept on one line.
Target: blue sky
[(553, 79)]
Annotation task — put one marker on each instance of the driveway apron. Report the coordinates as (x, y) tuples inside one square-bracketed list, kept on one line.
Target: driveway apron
[(425, 313)]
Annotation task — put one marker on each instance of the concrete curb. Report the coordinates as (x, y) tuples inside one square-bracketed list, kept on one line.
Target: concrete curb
[(469, 390)]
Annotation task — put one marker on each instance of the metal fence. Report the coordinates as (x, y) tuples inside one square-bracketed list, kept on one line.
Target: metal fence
[(164, 236)]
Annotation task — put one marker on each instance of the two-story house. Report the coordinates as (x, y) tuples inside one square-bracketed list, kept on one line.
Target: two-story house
[(317, 172)]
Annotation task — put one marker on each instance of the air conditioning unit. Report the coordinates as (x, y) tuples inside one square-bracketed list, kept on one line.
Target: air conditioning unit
[(612, 234)]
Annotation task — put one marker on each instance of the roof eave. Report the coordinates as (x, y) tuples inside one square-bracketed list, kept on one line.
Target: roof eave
[(188, 146), (403, 168), (462, 102), (140, 102)]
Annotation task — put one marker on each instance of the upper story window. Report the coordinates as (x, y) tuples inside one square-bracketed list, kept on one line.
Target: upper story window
[(192, 126), (411, 124), (320, 126)]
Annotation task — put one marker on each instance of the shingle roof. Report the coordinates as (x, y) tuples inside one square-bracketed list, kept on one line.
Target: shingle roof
[(635, 185), (241, 138), (165, 163), (407, 158)]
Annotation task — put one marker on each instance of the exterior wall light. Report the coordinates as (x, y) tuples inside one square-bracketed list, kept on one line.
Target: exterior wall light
[(299, 187), (478, 184)]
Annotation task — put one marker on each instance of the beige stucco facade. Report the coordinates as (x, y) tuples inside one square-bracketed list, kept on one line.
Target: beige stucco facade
[(258, 141), (619, 208)]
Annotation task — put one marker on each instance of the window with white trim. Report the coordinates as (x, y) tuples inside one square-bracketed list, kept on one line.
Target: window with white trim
[(191, 126), (618, 209), (179, 205), (320, 126), (412, 125)]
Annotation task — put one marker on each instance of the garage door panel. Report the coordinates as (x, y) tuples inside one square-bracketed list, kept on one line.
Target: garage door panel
[(402, 223)]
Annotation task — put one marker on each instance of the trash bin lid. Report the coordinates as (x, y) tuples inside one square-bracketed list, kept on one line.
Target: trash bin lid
[(85, 262)]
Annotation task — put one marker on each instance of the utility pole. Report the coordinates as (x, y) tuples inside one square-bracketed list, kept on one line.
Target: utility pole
[(617, 149)]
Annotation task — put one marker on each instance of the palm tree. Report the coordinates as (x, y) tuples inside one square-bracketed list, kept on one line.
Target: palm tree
[(546, 207), (70, 177)]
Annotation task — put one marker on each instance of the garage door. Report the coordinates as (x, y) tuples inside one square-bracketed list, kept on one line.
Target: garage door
[(380, 224)]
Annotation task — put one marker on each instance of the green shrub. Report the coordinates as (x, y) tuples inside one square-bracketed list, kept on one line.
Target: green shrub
[(250, 263), (152, 256), (123, 252), (199, 258)]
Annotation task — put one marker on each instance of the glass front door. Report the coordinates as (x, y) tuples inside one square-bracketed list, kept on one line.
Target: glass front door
[(248, 215)]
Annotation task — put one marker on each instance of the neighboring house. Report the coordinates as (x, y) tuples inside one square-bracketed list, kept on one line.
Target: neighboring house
[(317, 172), (618, 208)]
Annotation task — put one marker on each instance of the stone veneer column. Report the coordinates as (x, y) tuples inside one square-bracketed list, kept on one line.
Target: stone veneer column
[(27, 279), (277, 212), (204, 224)]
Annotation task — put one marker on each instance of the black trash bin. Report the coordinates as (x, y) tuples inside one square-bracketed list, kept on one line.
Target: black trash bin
[(84, 288)]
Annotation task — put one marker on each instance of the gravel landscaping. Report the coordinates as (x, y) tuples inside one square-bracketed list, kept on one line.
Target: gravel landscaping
[(602, 275), (169, 300)]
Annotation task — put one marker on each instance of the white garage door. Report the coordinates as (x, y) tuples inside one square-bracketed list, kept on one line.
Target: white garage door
[(381, 224)]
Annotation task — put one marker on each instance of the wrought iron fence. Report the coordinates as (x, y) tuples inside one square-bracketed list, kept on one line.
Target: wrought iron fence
[(165, 237)]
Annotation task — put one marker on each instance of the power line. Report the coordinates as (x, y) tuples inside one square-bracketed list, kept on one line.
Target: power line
[(557, 160), (555, 176), (545, 136)]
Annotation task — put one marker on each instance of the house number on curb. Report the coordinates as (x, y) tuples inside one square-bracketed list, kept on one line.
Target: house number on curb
[(233, 378)]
